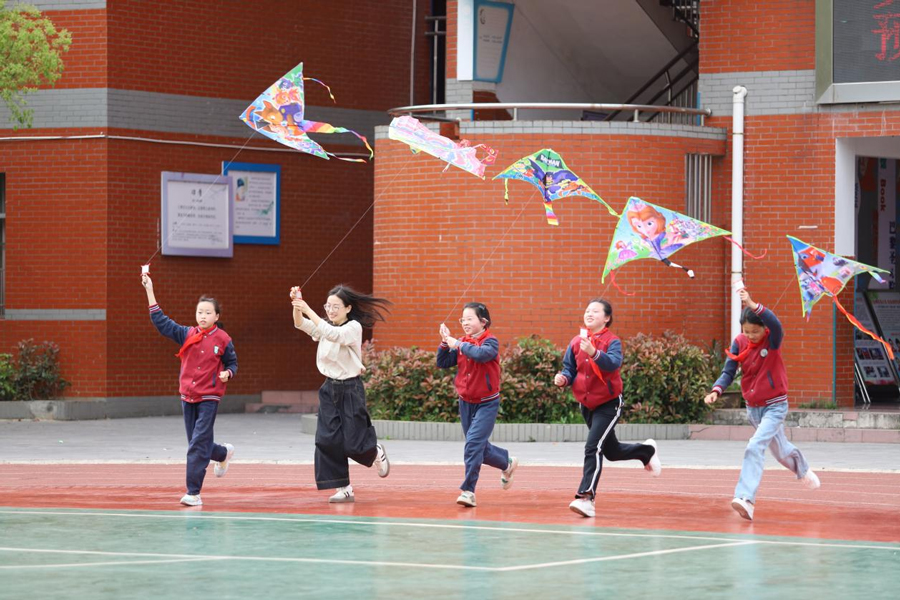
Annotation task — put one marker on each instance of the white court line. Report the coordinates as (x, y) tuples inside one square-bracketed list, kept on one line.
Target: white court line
[(584, 532), (188, 558), (582, 561), (113, 563)]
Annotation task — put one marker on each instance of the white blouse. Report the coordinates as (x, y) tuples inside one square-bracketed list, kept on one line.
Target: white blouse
[(340, 348)]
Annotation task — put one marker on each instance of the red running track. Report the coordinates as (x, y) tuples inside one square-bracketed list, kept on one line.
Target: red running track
[(848, 506)]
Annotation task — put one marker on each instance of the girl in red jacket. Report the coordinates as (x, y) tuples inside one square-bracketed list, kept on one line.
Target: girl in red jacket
[(591, 366), (477, 382), (764, 387), (208, 362)]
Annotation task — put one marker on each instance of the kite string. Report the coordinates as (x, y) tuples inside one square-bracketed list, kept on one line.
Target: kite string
[(346, 235), (487, 260), (790, 282), (216, 181)]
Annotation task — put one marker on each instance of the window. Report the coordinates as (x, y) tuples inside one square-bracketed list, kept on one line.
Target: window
[(698, 186)]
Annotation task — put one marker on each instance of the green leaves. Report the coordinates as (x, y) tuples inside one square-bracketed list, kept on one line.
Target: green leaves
[(665, 380), (31, 52), (34, 375)]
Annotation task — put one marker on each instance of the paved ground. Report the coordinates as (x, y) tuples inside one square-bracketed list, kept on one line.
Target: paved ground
[(276, 438)]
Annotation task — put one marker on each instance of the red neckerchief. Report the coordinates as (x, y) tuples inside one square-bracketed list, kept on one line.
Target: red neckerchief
[(193, 339), (594, 366), (750, 347), (475, 340)]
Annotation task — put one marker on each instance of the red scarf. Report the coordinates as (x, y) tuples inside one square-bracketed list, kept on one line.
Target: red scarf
[(193, 339), (750, 347), (594, 366)]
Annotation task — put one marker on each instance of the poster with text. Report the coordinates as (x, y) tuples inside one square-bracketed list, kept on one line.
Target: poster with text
[(257, 202), (197, 215), (870, 355), (886, 306)]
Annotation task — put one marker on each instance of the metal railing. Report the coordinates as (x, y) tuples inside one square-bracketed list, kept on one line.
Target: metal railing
[(636, 110)]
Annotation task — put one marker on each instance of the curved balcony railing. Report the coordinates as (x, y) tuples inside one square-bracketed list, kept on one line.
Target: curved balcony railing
[(635, 109)]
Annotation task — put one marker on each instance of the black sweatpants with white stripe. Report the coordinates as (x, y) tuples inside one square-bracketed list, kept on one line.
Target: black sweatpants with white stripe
[(602, 442)]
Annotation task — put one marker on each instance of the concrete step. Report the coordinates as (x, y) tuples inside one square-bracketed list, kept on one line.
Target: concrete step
[(818, 419)]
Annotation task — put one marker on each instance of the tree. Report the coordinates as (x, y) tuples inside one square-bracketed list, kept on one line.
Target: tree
[(31, 52)]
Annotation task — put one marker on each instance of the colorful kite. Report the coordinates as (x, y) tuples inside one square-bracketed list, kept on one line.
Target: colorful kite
[(547, 171), (821, 273), (421, 139), (278, 114), (649, 231)]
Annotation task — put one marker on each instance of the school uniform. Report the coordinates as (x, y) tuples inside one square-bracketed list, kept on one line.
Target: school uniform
[(478, 388), (344, 428), (764, 387), (209, 352), (597, 385)]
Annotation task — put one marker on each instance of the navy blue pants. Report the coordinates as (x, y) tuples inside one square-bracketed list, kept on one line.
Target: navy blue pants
[(199, 419), (478, 424)]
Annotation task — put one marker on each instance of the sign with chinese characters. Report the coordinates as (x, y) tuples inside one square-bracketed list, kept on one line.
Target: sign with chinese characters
[(257, 202), (866, 40), (493, 21), (197, 215)]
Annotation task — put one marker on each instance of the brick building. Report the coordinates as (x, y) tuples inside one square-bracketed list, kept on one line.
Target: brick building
[(154, 87)]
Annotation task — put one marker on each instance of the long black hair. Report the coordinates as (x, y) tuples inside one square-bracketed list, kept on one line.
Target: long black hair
[(365, 309), (481, 311), (607, 308)]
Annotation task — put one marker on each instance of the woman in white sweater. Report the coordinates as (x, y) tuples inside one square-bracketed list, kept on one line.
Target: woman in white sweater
[(344, 429)]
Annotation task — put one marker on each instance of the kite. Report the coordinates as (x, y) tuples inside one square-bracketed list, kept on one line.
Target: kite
[(821, 273), (649, 231), (421, 139), (547, 171), (278, 114)]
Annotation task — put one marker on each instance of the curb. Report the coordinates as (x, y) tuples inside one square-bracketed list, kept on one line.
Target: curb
[(110, 408)]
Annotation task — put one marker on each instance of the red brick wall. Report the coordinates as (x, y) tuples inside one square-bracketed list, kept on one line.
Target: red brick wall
[(434, 234), (237, 49), (85, 63), (766, 35)]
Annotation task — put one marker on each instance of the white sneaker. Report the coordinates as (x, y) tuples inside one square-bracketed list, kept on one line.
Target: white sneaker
[(342, 495), (654, 466), (191, 500), (506, 478), (583, 507), (811, 480), (220, 468), (467, 499), (382, 462), (743, 508)]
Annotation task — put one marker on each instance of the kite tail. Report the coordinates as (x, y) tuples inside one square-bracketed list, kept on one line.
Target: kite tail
[(327, 128), (741, 248), (855, 321), (668, 262), (506, 191), (551, 216), (323, 85), (612, 275)]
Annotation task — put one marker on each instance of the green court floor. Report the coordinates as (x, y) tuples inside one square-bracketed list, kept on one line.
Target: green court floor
[(50, 553)]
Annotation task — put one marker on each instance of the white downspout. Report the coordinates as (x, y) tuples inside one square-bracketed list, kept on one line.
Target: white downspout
[(737, 203)]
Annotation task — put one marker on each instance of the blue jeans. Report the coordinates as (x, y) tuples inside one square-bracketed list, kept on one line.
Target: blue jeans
[(199, 420), (478, 424), (769, 423)]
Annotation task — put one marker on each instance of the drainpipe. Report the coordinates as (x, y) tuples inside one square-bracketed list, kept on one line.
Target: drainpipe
[(737, 202)]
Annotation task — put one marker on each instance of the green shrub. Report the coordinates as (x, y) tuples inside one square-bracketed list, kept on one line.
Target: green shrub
[(37, 373), (665, 380), (7, 378)]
